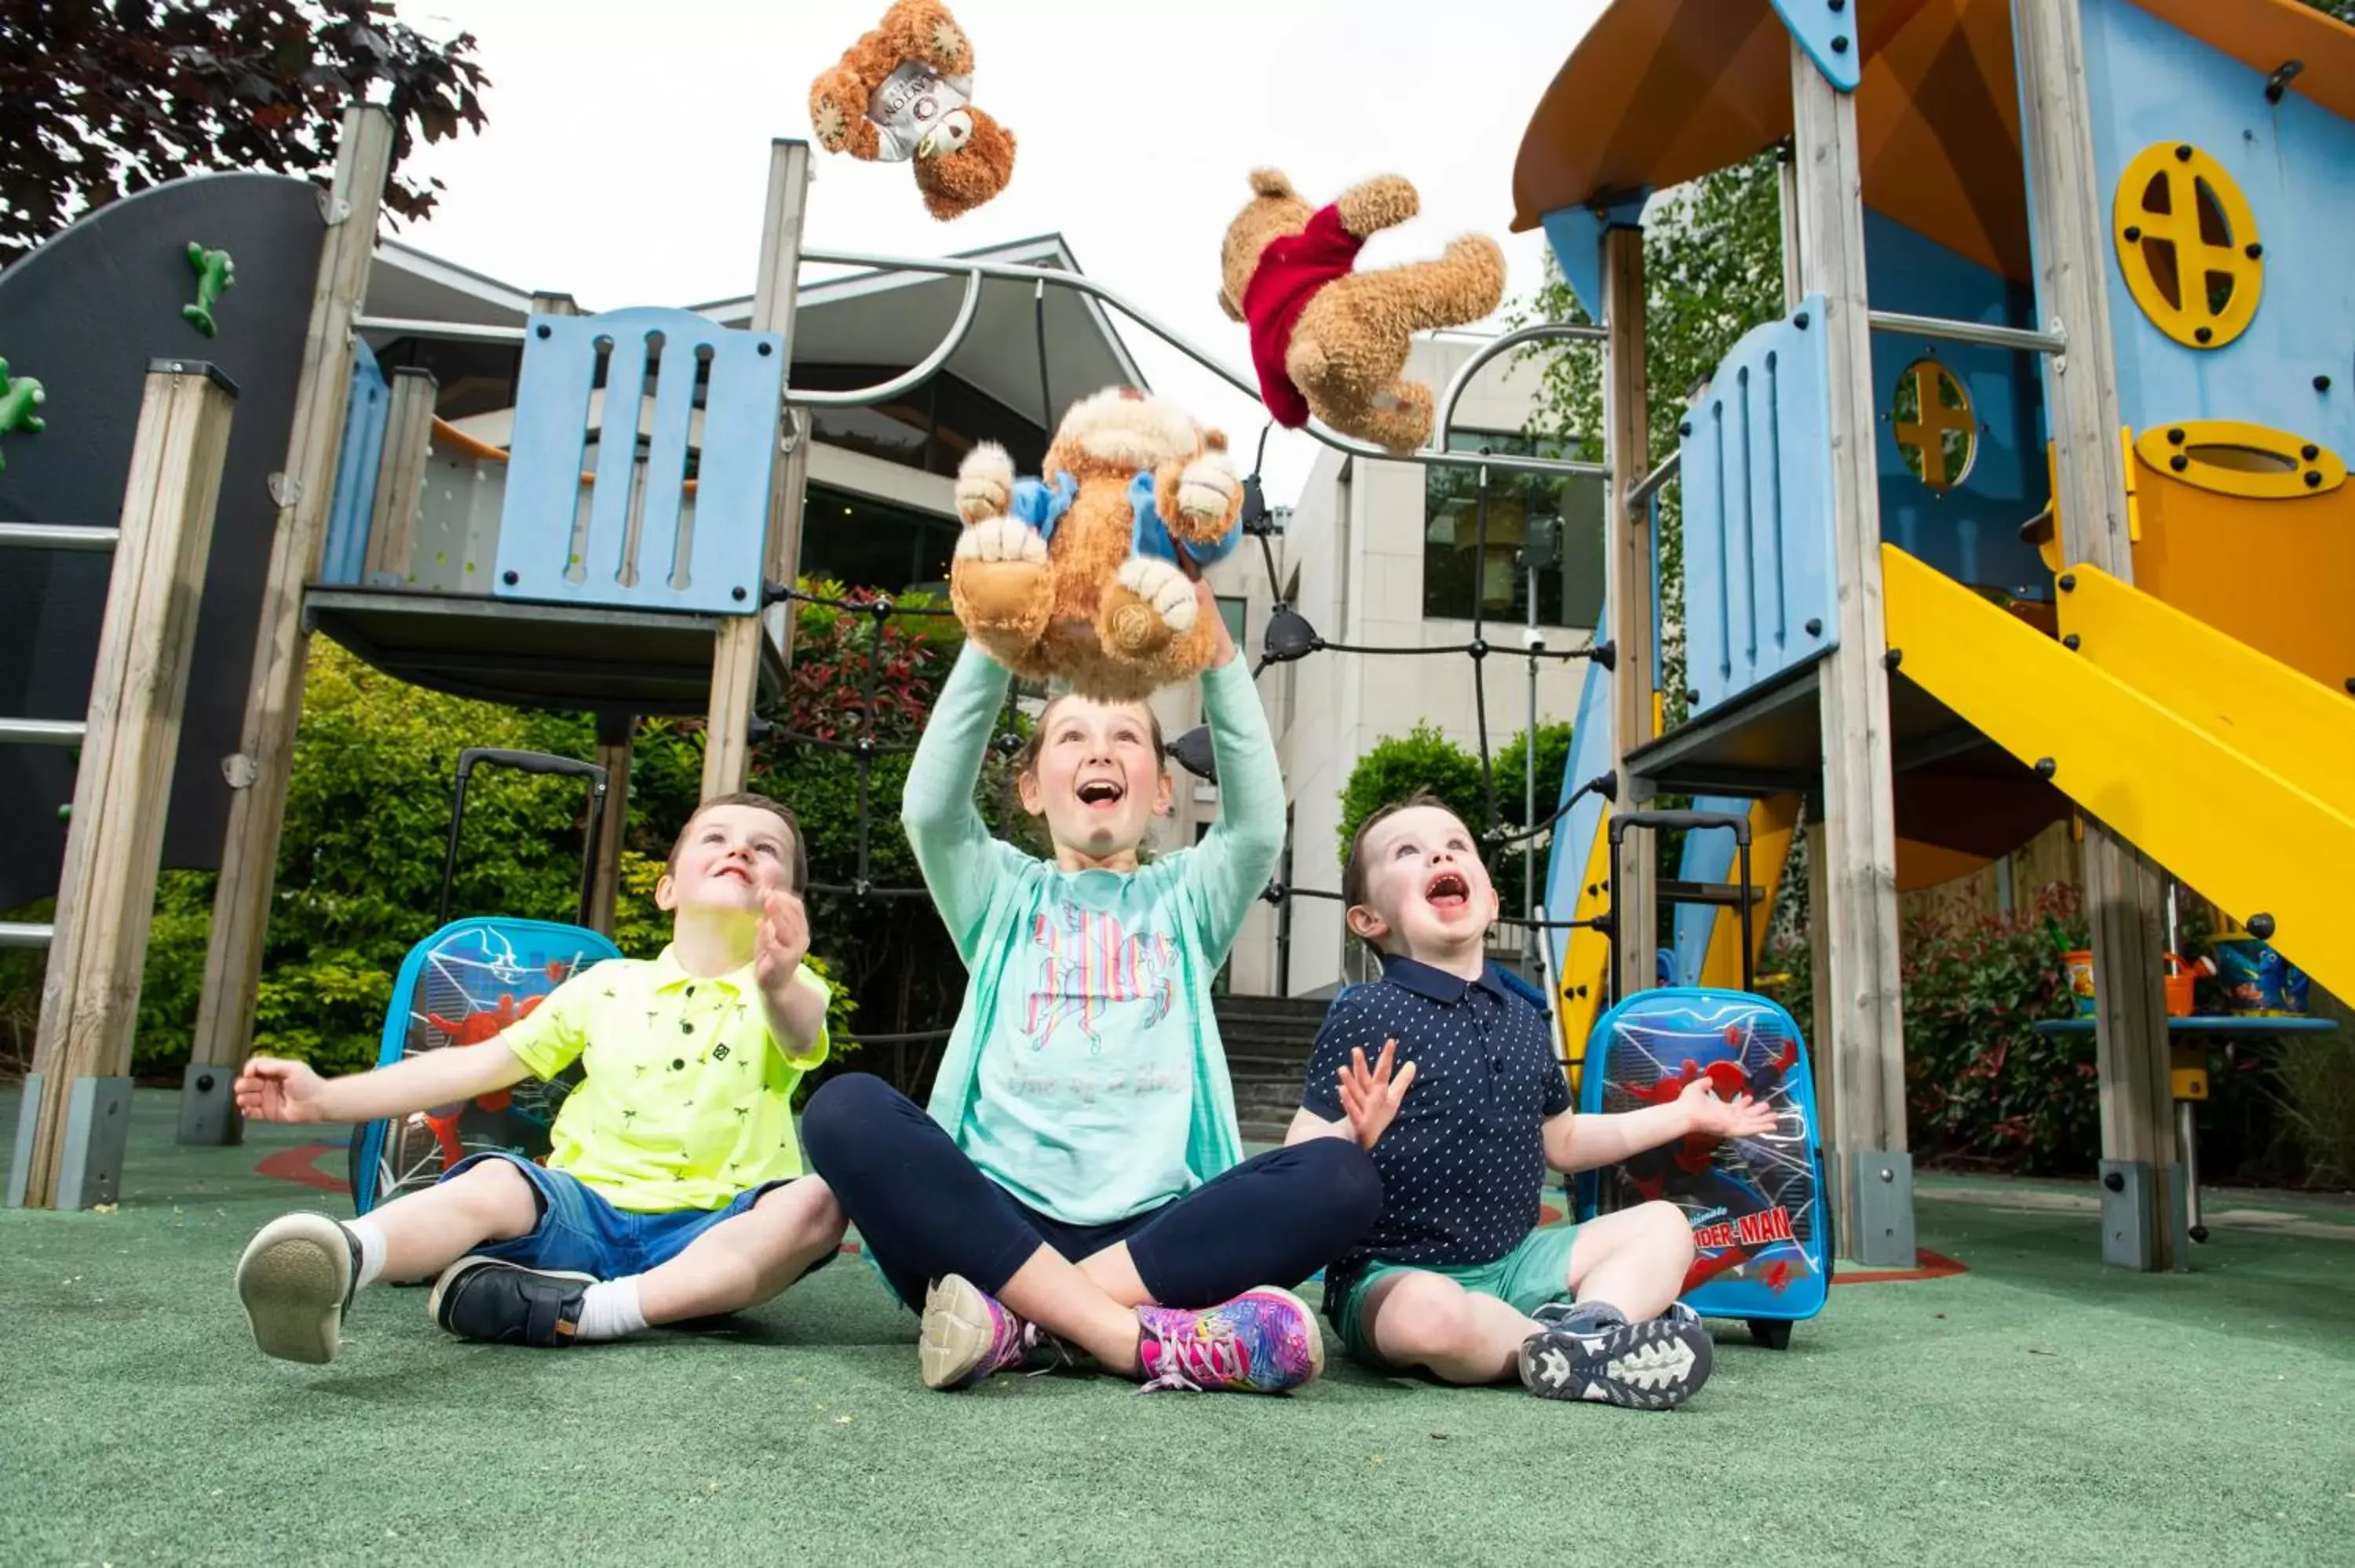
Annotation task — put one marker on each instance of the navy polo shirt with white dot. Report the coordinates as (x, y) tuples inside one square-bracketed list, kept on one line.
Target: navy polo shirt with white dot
[(1463, 1162)]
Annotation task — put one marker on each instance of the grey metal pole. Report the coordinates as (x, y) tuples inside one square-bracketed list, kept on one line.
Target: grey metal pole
[(1531, 933)]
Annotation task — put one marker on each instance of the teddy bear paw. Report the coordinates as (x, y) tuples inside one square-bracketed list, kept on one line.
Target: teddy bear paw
[(1207, 491), (948, 47), (831, 124), (1163, 588), (1001, 539), (984, 483)]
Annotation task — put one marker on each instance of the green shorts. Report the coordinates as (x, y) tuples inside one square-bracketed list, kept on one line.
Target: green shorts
[(1535, 1272)]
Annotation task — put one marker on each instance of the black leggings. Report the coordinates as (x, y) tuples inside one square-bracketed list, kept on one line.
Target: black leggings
[(925, 1210)]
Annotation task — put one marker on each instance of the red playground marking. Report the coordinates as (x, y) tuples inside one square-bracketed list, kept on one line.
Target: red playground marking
[(1933, 1266), (301, 1166)]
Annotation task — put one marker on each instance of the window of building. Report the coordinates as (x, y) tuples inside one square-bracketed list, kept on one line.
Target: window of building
[(1230, 610), (930, 428), (861, 542), (1459, 572)]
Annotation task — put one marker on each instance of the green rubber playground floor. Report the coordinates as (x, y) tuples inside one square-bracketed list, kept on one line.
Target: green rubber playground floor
[(2037, 1408)]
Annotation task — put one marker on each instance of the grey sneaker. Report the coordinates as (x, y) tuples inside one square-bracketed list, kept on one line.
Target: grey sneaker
[(297, 1279), (1589, 1354)]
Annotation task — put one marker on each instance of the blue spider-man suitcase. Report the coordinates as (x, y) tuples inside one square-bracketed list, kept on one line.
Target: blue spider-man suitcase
[(459, 986), (1756, 1207)]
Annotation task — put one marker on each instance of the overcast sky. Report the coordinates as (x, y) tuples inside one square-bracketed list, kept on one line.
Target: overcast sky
[(628, 142)]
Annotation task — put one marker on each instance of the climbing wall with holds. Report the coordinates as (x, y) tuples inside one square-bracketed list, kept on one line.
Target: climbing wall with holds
[(219, 269)]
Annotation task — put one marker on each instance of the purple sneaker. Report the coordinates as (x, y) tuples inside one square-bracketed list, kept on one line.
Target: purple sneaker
[(969, 1334), (1263, 1342)]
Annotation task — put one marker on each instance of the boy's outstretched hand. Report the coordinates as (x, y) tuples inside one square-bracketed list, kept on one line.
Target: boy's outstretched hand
[(1740, 1118), (781, 943), (1370, 1098), (268, 1089)]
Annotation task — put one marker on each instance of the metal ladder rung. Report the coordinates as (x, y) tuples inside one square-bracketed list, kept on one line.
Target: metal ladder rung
[(59, 535), (42, 731), (25, 934)]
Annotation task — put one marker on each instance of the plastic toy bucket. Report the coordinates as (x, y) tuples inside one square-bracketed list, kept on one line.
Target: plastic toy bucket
[(2258, 982), (2181, 979), (2080, 967)]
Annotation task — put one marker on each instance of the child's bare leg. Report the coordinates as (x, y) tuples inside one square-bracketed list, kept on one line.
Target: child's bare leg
[(1073, 1303), (746, 1259), (426, 1231), (1417, 1319), (1634, 1259), (1113, 1272)]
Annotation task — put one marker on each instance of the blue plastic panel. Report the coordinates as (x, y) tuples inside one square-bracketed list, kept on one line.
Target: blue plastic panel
[(1756, 1208), (1757, 474), (351, 510), (635, 538), (2149, 83), (1828, 32), (1970, 532), (1576, 235), (1573, 836)]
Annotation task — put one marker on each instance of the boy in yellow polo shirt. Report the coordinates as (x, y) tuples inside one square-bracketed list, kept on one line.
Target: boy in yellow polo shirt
[(674, 1188)]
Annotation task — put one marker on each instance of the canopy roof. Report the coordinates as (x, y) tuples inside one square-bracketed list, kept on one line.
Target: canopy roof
[(1662, 92)]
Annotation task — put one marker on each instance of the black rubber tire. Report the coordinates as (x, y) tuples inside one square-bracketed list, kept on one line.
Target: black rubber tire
[(1772, 1333)]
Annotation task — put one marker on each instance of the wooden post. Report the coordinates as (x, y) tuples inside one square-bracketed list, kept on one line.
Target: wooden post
[(1867, 1042), (2142, 1215), (1627, 589), (736, 654), (77, 1101), (273, 702), (401, 477), (614, 732)]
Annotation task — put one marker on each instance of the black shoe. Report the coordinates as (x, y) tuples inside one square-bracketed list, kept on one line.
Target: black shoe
[(1653, 1365), (508, 1304), (297, 1279)]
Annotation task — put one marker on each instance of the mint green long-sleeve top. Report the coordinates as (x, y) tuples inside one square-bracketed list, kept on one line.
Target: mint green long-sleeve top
[(1085, 1075)]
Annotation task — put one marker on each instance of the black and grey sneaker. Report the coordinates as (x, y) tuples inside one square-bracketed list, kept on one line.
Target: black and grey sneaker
[(1556, 1312), (1653, 1365), (505, 1303), (296, 1280)]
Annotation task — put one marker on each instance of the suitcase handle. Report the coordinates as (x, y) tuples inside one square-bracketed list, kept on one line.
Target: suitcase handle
[(1693, 821), (525, 762)]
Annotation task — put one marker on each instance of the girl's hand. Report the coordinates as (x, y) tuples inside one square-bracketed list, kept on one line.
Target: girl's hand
[(1741, 1118), (1223, 649), (1370, 1098), (781, 943), (271, 1090)]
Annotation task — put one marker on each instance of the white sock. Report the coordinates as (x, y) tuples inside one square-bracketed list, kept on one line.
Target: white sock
[(609, 1309), (370, 1236)]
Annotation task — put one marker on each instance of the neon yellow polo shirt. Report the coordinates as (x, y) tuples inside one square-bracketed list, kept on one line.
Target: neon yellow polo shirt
[(684, 1101)]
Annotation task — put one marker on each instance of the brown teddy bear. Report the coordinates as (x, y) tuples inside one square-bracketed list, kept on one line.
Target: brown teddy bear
[(1086, 572), (1330, 340), (906, 90)]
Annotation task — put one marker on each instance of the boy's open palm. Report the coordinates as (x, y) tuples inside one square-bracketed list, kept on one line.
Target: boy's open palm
[(783, 941), (268, 1089), (1741, 1117), (1371, 1096)]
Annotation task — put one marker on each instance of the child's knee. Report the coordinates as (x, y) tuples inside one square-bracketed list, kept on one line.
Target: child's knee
[(501, 1197), (807, 1206), (1351, 1185), (1416, 1324), (834, 1121), (1665, 1224)]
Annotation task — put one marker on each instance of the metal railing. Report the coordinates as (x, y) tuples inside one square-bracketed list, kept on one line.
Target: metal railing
[(2019, 338)]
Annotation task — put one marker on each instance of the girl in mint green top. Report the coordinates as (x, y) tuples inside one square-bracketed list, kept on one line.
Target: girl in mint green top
[(1079, 1171)]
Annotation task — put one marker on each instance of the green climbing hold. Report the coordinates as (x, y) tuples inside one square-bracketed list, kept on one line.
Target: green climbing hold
[(18, 398), (215, 273)]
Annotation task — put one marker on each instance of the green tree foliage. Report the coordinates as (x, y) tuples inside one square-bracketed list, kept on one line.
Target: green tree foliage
[(1512, 773), (101, 99), (1424, 759)]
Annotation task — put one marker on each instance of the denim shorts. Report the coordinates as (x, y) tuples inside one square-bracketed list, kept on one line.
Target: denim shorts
[(580, 1232)]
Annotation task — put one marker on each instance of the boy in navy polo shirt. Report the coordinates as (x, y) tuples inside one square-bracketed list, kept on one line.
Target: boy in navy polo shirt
[(1455, 1277)]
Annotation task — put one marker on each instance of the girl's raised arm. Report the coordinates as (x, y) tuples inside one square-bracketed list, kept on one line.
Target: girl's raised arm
[(1232, 866), (960, 860)]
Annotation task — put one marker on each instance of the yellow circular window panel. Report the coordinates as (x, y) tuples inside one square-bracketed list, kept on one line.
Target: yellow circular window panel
[(1937, 433), (2233, 457), (2187, 245)]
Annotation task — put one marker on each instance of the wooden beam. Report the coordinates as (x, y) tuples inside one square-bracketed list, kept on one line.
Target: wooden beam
[(1867, 1043), (274, 703), (401, 477), (1627, 579), (736, 651), (115, 842), (2124, 896), (614, 734)]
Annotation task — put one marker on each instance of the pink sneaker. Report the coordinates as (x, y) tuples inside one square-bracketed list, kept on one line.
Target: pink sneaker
[(969, 1334), (1263, 1342)]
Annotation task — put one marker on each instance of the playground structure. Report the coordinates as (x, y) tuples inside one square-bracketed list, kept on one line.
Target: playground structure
[(1835, 653), (2107, 228)]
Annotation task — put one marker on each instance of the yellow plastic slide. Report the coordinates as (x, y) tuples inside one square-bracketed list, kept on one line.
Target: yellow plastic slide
[(2231, 769)]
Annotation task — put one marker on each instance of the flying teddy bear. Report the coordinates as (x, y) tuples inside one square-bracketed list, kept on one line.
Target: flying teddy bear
[(1086, 572), (1328, 340), (905, 90)]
